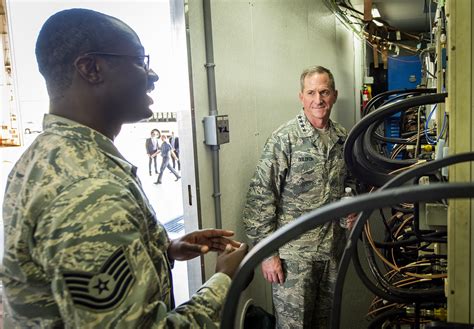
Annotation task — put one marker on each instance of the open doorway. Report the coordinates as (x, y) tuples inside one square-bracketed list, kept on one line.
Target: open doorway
[(160, 25)]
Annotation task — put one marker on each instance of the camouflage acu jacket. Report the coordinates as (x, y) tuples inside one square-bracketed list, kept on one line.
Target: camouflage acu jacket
[(297, 173), (83, 248)]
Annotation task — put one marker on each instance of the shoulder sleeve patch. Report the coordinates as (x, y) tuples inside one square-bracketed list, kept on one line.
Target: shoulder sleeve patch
[(105, 290)]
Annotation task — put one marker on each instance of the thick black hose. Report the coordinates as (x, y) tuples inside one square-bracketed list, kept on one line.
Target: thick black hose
[(430, 237), (378, 98), (364, 160), (375, 157), (379, 291), (384, 285), (410, 295), (377, 322), (362, 218), (354, 157), (393, 140), (326, 214)]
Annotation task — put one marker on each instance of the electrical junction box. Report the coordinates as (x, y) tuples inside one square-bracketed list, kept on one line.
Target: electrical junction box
[(433, 216), (404, 72), (216, 129)]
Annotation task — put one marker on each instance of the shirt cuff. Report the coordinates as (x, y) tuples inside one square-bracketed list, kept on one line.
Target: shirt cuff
[(272, 255), (219, 279)]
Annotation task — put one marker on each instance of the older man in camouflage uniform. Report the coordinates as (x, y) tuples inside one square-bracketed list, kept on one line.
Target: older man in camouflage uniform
[(301, 169), (83, 248)]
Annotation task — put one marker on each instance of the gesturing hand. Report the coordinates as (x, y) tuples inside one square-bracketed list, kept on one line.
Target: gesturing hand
[(200, 242), (228, 262)]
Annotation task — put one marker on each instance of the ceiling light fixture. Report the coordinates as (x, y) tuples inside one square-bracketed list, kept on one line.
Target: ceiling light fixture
[(377, 22), (376, 14)]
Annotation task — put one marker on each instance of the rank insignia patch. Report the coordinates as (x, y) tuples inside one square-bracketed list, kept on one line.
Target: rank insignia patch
[(105, 290)]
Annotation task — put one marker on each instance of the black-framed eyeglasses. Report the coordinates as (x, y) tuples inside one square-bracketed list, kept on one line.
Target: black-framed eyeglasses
[(144, 58)]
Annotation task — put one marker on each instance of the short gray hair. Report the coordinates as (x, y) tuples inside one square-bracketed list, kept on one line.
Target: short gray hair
[(319, 70)]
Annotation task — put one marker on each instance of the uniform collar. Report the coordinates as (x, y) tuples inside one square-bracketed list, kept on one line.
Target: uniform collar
[(306, 129), (67, 128)]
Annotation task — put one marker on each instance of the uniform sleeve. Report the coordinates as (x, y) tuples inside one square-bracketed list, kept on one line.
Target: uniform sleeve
[(209, 299), (263, 197), (94, 244)]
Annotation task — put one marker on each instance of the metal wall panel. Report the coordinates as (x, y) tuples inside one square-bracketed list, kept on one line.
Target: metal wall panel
[(260, 50), (460, 108)]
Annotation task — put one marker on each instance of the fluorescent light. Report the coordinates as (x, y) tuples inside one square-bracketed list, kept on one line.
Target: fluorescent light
[(375, 12)]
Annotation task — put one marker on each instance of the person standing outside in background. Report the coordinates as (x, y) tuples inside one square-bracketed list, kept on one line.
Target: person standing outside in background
[(83, 247), (301, 169), (174, 142), (166, 153), (151, 145)]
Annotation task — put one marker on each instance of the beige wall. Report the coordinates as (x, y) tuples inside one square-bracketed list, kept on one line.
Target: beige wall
[(460, 106), (260, 49)]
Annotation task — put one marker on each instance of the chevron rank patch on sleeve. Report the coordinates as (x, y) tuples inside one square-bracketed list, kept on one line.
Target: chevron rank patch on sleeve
[(105, 290)]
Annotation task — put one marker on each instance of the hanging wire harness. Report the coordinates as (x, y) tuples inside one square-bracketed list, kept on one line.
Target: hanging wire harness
[(326, 214)]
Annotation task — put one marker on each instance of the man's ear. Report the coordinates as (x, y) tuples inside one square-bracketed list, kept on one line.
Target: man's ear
[(88, 69)]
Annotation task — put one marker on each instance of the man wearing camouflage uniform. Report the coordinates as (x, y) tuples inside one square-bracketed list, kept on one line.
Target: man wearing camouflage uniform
[(83, 248), (301, 169)]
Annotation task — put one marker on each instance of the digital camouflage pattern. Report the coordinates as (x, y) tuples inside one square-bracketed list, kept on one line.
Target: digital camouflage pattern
[(303, 302), (83, 247), (297, 173), (301, 169)]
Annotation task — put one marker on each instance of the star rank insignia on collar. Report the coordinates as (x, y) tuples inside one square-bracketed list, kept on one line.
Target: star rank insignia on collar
[(105, 290), (301, 123)]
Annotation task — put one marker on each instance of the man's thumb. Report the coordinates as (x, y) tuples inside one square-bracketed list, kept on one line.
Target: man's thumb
[(243, 247)]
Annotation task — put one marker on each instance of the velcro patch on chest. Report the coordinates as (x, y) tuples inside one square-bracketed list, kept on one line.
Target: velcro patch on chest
[(105, 290)]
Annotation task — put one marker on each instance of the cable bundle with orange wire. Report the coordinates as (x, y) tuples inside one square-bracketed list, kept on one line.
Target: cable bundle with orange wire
[(392, 193), (406, 264), (365, 149), (406, 269)]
